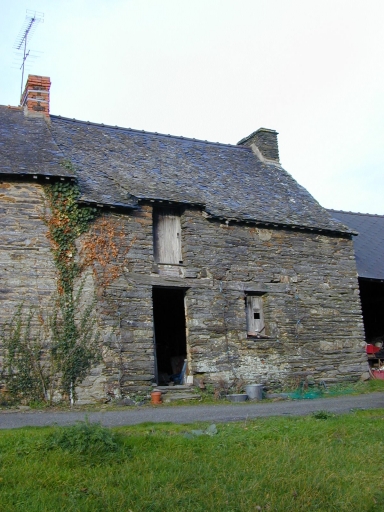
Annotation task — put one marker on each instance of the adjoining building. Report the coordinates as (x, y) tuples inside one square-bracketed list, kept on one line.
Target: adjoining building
[(369, 253)]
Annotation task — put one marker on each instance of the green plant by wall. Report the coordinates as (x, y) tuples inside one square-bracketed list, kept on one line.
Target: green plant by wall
[(38, 363), (25, 374), (66, 221), (74, 343), (75, 340), (42, 362)]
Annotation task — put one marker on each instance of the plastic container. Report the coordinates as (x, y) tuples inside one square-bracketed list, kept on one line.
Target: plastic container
[(254, 391), (371, 349), (378, 374)]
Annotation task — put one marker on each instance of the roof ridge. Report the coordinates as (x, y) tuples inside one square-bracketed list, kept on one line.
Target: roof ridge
[(355, 213), (144, 132)]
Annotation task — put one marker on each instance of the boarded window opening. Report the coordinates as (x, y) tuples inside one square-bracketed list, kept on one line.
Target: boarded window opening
[(167, 236), (169, 330), (255, 315)]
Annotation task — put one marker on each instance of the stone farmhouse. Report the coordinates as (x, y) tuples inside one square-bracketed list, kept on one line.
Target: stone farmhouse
[(223, 259)]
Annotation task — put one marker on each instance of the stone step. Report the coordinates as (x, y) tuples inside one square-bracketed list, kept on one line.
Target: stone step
[(170, 397), (174, 389)]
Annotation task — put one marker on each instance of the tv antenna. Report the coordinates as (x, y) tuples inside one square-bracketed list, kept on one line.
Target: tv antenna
[(32, 19)]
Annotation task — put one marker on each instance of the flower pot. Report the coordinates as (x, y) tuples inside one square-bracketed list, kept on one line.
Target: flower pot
[(237, 397), (156, 397)]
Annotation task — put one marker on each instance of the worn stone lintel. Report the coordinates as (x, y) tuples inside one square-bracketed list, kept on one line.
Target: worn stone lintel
[(253, 286)]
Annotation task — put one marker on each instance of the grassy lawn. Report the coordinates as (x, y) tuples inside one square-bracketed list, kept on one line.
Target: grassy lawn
[(321, 462)]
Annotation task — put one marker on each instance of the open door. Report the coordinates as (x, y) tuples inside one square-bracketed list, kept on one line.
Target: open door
[(170, 337)]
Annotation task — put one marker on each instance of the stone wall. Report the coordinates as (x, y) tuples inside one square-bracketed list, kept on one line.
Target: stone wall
[(27, 272), (310, 295), (311, 302), (308, 283)]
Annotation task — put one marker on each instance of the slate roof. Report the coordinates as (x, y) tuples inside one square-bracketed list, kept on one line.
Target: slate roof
[(120, 166), (27, 146), (369, 244)]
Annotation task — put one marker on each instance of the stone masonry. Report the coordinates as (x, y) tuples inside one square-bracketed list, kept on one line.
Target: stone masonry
[(307, 281)]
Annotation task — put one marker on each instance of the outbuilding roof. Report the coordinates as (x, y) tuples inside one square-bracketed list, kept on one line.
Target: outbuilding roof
[(119, 166), (369, 244)]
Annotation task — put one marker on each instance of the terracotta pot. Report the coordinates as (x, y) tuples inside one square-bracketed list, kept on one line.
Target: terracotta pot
[(156, 397)]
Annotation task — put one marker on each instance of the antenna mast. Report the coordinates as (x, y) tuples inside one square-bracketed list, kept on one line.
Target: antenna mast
[(32, 19)]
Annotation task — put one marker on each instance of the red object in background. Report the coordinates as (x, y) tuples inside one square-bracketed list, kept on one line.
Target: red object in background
[(371, 349), (378, 374)]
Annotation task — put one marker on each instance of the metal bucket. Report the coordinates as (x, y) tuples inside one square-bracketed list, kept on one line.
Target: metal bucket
[(254, 391), (237, 397)]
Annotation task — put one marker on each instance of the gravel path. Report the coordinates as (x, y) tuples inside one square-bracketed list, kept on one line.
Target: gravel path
[(190, 414)]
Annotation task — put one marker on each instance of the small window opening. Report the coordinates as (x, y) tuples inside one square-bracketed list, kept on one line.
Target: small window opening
[(255, 316)]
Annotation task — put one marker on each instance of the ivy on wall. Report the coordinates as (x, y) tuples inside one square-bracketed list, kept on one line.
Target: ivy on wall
[(66, 222), (74, 339), (104, 249), (59, 356)]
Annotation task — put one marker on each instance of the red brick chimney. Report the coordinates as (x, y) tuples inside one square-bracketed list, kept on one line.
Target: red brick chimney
[(35, 97)]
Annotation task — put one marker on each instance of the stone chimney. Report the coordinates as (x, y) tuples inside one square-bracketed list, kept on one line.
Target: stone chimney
[(264, 144), (35, 98)]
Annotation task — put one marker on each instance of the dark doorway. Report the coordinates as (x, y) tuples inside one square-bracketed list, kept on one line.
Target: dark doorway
[(372, 304), (170, 338)]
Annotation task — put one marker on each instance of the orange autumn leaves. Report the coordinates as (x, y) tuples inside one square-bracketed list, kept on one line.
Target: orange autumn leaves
[(104, 249)]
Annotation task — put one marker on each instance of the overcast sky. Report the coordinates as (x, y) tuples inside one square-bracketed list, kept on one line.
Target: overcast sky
[(220, 69)]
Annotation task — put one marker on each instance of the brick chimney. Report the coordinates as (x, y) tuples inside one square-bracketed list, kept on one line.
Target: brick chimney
[(264, 144), (35, 98)]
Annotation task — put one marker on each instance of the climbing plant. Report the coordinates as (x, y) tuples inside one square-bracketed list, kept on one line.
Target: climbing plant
[(74, 338), (104, 248), (66, 221), (24, 371), (60, 356)]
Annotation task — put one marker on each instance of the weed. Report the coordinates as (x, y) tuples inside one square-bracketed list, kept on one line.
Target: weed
[(85, 438), (323, 415)]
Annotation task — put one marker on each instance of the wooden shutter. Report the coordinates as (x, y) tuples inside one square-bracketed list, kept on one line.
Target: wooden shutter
[(167, 236), (255, 316)]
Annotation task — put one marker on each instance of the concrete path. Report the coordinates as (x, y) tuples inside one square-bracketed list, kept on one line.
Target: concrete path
[(189, 414)]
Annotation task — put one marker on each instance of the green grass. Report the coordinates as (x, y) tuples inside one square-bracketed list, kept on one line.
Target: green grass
[(321, 462)]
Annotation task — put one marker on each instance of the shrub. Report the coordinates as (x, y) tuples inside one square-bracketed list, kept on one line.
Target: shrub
[(85, 438), (323, 415)]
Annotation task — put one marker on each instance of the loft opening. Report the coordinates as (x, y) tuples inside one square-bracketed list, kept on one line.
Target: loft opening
[(167, 236), (169, 334)]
